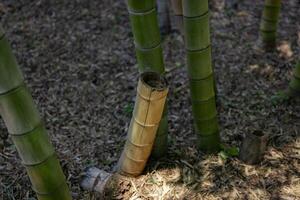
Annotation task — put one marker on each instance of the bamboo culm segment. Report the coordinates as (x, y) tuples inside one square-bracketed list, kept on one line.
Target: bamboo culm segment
[(27, 131), (295, 82), (10, 74), (18, 111), (150, 59), (150, 100), (269, 23), (145, 28), (195, 8), (197, 32), (141, 6), (199, 64)]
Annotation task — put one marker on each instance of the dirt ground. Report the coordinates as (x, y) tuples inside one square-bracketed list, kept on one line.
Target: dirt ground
[(79, 62)]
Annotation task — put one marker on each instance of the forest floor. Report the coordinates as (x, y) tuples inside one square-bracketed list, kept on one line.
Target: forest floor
[(79, 62)]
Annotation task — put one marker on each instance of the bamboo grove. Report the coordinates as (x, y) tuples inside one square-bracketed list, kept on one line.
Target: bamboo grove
[(27, 130), (148, 130), (145, 28)]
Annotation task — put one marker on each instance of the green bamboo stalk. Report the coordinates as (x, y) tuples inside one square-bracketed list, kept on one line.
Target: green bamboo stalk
[(146, 33), (10, 77), (294, 86), (201, 75), (27, 131), (269, 23)]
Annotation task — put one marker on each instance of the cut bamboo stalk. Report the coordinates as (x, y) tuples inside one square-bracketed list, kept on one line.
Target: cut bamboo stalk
[(199, 64), (149, 54), (253, 147), (150, 100), (27, 131), (10, 74), (151, 96), (294, 86), (269, 23)]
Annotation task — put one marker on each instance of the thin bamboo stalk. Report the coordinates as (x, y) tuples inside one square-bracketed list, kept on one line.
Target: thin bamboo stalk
[(145, 28), (269, 23), (199, 64), (294, 85), (27, 131), (150, 100), (178, 14), (163, 16)]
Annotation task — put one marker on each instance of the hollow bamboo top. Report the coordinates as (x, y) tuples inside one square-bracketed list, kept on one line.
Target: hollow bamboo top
[(152, 86)]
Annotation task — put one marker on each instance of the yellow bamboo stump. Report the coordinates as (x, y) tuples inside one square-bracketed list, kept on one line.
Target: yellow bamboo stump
[(147, 40), (150, 100)]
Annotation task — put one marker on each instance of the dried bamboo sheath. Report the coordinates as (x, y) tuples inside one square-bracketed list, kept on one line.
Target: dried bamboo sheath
[(199, 63), (148, 110), (27, 131), (294, 85), (146, 33), (269, 22)]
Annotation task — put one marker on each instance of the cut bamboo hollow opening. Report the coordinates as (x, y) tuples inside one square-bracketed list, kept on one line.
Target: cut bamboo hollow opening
[(269, 23), (294, 86), (27, 131), (145, 28), (150, 100), (200, 70), (253, 147)]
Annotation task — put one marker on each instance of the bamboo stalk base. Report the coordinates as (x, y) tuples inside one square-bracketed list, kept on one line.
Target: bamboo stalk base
[(105, 185), (253, 147)]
